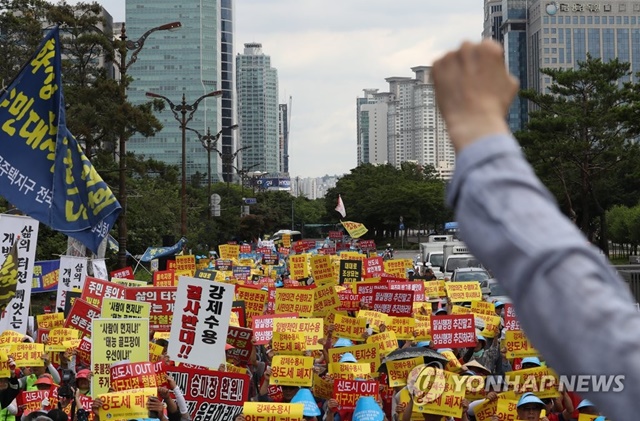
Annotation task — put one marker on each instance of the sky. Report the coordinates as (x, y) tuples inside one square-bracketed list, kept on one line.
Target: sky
[(328, 51)]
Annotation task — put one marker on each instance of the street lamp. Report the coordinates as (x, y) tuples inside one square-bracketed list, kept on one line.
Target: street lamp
[(135, 46), (209, 143), (180, 114)]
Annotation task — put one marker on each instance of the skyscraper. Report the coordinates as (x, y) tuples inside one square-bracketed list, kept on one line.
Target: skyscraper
[(284, 117), (257, 87), (404, 125), (228, 87), (173, 64)]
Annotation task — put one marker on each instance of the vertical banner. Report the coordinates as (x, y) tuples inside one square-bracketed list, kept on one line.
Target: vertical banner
[(201, 322), (99, 268), (11, 227), (116, 340), (73, 271)]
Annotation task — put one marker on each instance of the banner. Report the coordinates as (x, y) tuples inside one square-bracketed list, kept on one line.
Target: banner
[(95, 290), (355, 229), (58, 337), (255, 411), (435, 289), (45, 276), (298, 266), (263, 326), (399, 370), (443, 396), (73, 271), (325, 300), (116, 340), (254, 299), (211, 395), (24, 231), (123, 273), (27, 354), (50, 321), (240, 339), (510, 320), (45, 173), (201, 322), (158, 252), (321, 269), (291, 370)]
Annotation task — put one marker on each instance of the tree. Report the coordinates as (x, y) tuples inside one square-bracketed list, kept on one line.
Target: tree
[(582, 131)]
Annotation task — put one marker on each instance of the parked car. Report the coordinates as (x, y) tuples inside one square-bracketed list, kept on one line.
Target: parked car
[(496, 292), (473, 274)]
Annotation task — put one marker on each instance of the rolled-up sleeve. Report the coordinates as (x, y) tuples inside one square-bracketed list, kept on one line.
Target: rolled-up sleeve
[(572, 304)]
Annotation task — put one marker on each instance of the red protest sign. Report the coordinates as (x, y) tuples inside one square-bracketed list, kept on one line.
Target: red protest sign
[(33, 400), (348, 301), (132, 376), (335, 235), (164, 278), (240, 339), (81, 315), (366, 291), (95, 290), (453, 331), (347, 392), (124, 273), (83, 352), (393, 303), (510, 320), (366, 245), (162, 303), (298, 247), (263, 326), (211, 395), (372, 266), (245, 248), (327, 250), (416, 287)]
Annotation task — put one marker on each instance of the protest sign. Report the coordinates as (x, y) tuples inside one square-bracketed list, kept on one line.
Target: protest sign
[(58, 336), (517, 345), (325, 300), (240, 339), (291, 370), (453, 331), (374, 318), (165, 278), (348, 301), (129, 376), (30, 401), (464, 291), (347, 392), (373, 266), (269, 411), (122, 273), (81, 315), (393, 302), (321, 269), (115, 340), (350, 271), (312, 329), (201, 322), (27, 354), (366, 353), (123, 406), (416, 287), (125, 309), (162, 301), (50, 321), (288, 343), (435, 289), (403, 327), (95, 290), (442, 395), (298, 267), (350, 371), (399, 370), (73, 271), (510, 320), (349, 327), (254, 299), (294, 300)]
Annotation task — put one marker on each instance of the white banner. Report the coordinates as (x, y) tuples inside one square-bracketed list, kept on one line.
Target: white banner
[(99, 269), (200, 322), (16, 315), (73, 271)]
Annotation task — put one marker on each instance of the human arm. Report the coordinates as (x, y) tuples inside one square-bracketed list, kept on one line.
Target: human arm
[(509, 221)]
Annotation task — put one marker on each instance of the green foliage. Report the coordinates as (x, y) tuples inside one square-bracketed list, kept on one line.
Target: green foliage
[(582, 140), (378, 196)]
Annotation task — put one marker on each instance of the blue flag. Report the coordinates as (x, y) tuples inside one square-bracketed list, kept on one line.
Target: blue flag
[(158, 252), (43, 170)]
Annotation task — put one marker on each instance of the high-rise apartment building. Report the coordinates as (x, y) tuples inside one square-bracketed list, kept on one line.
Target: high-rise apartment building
[(257, 87), (540, 34), (176, 63), (404, 124)]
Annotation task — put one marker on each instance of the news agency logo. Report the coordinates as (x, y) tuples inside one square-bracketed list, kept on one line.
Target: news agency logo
[(433, 381)]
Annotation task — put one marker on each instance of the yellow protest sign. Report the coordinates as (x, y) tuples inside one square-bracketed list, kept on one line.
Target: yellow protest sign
[(229, 251), (402, 326), (423, 330), (455, 310), (155, 352), (463, 291), (321, 269), (58, 336), (125, 405), (352, 255), (322, 388), (483, 307), (27, 354), (311, 329), (405, 398), (230, 368), (541, 381), (491, 325), (291, 370), (518, 346), (71, 344), (399, 370), (10, 337), (298, 266), (475, 389), (288, 343), (325, 300), (130, 282), (165, 335), (374, 318), (185, 263), (50, 321), (396, 267), (586, 417), (367, 353), (290, 300), (254, 300), (113, 308), (453, 363), (386, 341), (350, 371), (184, 272), (438, 393), (114, 340), (434, 289), (263, 411), (349, 327)]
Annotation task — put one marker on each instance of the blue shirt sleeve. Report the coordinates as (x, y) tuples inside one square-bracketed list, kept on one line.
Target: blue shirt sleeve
[(572, 304)]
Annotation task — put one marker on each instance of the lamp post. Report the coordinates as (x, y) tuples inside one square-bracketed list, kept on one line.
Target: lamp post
[(180, 114), (209, 142), (125, 44)]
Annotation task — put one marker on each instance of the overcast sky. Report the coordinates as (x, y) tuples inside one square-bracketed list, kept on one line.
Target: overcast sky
[(327, 51)]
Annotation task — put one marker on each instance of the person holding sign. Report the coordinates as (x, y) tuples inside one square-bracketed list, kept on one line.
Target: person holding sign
[(510, 221)]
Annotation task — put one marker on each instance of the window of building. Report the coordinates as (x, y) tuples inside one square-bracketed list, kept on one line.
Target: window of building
[(596, 20)]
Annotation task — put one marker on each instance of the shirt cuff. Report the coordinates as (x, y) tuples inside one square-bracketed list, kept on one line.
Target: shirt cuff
[(483, 150)]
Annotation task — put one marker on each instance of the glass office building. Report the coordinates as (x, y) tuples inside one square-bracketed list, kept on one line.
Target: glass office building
[(173, 64)]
